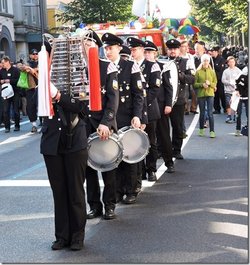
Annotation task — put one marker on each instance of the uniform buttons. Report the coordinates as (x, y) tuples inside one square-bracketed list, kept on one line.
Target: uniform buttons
[(59, 129), (58, 119), (89, 115)]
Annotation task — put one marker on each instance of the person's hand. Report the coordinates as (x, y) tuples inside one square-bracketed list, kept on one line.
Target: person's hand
[(205, 85), (143, 126), (167, 110), (135, 122), (208, 82), (103, 131)]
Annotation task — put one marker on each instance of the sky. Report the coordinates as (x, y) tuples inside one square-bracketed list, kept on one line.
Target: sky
[(169, 8)]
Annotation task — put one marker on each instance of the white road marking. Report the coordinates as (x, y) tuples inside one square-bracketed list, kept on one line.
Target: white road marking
[(45, 183)]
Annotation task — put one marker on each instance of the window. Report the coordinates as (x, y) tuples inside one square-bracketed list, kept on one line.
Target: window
[(3, 6)]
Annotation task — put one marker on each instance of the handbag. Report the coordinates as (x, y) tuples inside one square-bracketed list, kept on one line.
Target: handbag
[(7, 91), (23, 81)]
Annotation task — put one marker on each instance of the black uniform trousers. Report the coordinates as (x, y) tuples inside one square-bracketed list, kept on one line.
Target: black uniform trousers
[(177, 118), (126, 179), (163, 133), (66, 174), (219, 97), (152, 156), (94, 192), (13, 101)]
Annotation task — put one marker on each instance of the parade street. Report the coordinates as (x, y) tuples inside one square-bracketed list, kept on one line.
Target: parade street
[(199, 214)]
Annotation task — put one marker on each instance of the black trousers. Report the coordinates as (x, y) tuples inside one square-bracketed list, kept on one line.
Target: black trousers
[(176, 118), (94, 192), (66, 173), (31, 96), (1, 110), (126, 179), (219, 97), (152, 156), (164, 139), (13, 101)]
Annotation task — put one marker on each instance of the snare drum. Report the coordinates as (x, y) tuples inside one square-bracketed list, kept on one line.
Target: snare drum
[(135, 143), (104, 155)]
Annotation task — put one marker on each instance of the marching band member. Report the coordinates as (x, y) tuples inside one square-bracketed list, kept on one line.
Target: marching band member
[(103, 122), (165, 105), (65, 158), (151, 72), (129, 111), (177, 113)]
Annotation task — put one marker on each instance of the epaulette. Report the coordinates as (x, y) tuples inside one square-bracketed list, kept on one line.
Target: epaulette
[(155, 68), (135, 68), (111, 68)]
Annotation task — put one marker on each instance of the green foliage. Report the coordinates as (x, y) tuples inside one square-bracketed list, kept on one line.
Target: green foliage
[(97, 11), (221, 16)]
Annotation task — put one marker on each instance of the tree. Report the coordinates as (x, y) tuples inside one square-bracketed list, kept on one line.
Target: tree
[(222, 17), (97, 11)]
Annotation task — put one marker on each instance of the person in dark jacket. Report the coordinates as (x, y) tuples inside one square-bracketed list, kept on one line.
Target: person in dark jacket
[(177, 113), (104, 122), (10, 74), (219, 67), (129, 111), (242, 91), (152, 75), (64, 148), (165, 101)]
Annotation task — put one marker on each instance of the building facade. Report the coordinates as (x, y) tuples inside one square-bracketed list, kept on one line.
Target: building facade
[(7, 33), (30, 22)]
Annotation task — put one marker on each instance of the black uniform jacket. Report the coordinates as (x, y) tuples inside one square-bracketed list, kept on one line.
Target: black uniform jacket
[(166, 90), (130, 91), (219, 66), (55, 131), (184, 77), (13, 74), (110, 97), (152, 74)]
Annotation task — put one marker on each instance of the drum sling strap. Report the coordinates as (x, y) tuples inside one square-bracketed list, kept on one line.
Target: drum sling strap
[(74, 118)]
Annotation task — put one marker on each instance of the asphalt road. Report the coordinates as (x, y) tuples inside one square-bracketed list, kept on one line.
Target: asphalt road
[(197, 215)]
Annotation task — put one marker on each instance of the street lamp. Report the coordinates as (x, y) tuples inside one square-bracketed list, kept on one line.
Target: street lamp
[(40, 6)]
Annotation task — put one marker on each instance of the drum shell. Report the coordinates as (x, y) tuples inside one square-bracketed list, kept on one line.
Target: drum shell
[(135, 144), (104, 155)]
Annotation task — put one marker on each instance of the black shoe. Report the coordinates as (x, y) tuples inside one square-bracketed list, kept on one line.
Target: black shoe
[(178, 156), (59, 244), (194, 112), (137, 191), (33, 129), (143, 176), (216, 112), (7, 130), (109, 214), (94, 213), (170, 169), (130, 199), (76, 245), (119, 198), (16, 129), (151, 176)]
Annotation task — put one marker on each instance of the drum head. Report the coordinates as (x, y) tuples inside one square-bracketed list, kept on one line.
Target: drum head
[(136, 145), (104, 155)]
